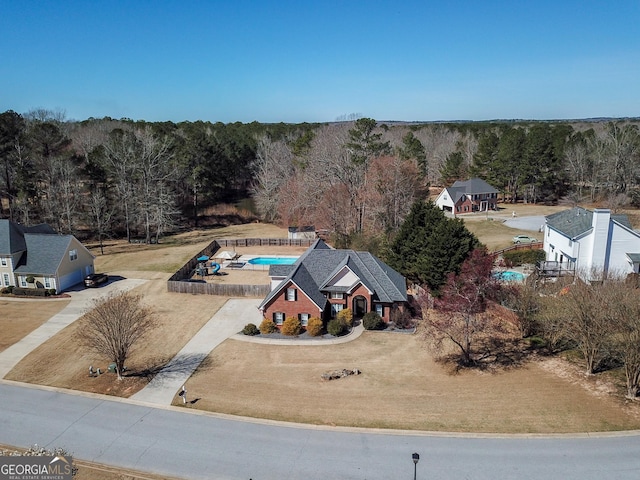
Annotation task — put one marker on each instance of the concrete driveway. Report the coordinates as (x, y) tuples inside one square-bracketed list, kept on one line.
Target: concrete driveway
[(81, 299), (532, 223), (227, 321)]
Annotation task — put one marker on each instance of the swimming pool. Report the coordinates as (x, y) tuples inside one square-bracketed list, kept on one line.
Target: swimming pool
[(509, 276), (273, 260)]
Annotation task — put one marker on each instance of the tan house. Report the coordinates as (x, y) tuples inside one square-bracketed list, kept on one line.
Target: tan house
[(37, 257)]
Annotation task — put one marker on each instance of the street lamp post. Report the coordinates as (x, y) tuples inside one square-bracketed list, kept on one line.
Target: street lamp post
[(415, 457)]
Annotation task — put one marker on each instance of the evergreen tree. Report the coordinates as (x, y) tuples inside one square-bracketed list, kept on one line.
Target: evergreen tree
[(412, 149), (453, 168), (429, 246)]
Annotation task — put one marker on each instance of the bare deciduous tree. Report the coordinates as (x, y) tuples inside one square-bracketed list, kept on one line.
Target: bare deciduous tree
[(588, 319), (462, 304), (115, 325), (626, 334), (100, 215)]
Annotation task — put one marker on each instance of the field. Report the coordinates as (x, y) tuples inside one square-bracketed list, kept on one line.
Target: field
[(401, 385)]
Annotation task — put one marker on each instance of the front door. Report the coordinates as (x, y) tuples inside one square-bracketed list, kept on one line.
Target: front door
[(359, 306)]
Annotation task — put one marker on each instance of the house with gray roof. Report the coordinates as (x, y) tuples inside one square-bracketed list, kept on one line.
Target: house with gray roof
[(474, 195), (325, 280), (37, 257), (590, 243)]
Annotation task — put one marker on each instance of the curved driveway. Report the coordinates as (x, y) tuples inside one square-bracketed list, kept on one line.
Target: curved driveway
[(194, 445)]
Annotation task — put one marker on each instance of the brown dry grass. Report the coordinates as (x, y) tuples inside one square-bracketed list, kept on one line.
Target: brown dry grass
[(19, 318), (401, 385), (179, 317)]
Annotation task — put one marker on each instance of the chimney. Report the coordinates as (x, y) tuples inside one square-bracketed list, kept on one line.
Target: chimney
[(600, 224)]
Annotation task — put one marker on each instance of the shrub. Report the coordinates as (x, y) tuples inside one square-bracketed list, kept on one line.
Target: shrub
[(291, 326), (251, 329), (346, 316), (518, 257), (314, 326), (372, 321), (8, 289), (29, 292), (401, 318), (51, 291), (267, 326), (30, 279), (336, 327)]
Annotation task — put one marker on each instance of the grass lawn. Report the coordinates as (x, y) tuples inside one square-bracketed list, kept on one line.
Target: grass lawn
[(20, 317), (401, 385)]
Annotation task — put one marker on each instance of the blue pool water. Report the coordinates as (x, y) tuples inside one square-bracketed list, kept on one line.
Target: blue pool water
[(509, 276), (272, 261)]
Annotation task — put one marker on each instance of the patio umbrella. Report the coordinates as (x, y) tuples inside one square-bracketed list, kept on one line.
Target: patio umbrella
[(226, 255)]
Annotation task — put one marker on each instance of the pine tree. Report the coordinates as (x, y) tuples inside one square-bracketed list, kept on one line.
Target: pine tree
[(429, 246)]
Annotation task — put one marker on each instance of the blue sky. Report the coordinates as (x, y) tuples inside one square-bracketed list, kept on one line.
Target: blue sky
[(296, 61)]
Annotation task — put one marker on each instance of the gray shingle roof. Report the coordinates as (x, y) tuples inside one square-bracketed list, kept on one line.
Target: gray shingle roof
[(35, 261), (474, 186), (577, 221), (316, 267), (11, 238), (12, 235)]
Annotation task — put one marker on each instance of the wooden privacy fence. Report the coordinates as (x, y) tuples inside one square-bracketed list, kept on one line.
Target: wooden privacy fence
[(225, 290), (177, 284), (519, 246), (261, 242), (187, 269)]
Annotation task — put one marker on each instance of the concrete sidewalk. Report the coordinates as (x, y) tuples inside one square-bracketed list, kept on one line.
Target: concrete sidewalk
[(80, 301), (227, 321)]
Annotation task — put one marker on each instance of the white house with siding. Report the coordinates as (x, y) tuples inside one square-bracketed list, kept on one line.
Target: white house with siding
[(591, 242)]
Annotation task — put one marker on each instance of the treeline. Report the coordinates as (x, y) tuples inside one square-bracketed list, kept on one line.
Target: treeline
[(134, 179), (359, 179)]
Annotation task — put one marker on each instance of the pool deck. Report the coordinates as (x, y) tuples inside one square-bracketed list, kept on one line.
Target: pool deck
[(524, 270), (250, 266)]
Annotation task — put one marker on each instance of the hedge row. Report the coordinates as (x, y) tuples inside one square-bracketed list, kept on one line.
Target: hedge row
[(33, 292), (520, 257)]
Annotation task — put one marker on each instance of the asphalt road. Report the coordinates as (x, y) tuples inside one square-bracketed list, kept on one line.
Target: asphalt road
[(201, 446)]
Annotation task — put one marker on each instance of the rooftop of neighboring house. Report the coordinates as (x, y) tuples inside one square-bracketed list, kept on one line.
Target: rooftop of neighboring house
[(12, 235), (473, 186), (305, 228), (577, 221), (55, 247)]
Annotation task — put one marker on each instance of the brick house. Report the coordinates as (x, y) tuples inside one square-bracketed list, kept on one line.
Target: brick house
[(324, 281), (474, 195)]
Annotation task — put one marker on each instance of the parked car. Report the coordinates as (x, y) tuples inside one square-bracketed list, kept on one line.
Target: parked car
[(95, 279), (524, 239)]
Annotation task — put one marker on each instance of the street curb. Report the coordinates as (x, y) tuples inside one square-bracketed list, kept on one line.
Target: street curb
[(331, 428)]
